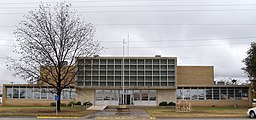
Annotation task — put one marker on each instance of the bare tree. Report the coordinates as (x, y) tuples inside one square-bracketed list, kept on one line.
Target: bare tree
[(49, 40)]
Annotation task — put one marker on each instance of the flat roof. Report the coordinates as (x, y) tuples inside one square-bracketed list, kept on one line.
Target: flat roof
[(120, 57), (213, 85)]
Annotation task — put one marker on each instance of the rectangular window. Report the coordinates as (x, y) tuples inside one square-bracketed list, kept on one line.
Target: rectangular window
[(155, 61), (23, 92), (223, 93), (111, 61), (152, 95), (133, 61), (65, 94), (186, 93), (136, 95), (231, 93), (245, 94), (238, 93), (148, 61), (30, 93), (51, 93), (141, 61), (216, 93), (9, 92), (201, 94), (15, 92), (99, 95), (164, 61), (209, 94), (193, 94), (179, 94), (36, 93), (73, 93), (144, 95), (106, 96), (43, 93)]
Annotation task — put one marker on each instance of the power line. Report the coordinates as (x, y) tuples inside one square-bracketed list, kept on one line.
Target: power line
[(89, 1), (155, 5), (158, 24), (168, 40), (150, 11), (201, 39), (206, 45), (168, 46)]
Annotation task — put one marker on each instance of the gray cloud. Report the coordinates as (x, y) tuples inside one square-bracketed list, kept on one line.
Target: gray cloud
[(224, 54)]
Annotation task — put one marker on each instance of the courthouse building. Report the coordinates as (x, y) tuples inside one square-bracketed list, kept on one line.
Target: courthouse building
[(135, 81)]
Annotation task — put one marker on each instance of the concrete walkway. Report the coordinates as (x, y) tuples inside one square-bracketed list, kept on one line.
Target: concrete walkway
[(112, 114), (97, 107)]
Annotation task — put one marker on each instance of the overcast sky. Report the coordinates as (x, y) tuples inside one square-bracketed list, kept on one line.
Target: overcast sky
[(199, 32)]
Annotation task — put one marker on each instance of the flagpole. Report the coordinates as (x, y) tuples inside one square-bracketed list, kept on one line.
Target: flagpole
[(123, 72)]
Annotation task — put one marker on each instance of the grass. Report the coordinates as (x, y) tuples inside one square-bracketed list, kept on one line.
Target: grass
[(198, 112), (43, 111)]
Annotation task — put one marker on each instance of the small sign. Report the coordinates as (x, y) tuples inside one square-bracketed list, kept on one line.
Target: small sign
[(56, 97)]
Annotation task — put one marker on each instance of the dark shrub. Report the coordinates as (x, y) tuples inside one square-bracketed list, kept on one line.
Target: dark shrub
[(63, 104), (87, 103), (78, 103), (163, 104), (71, 103), (171, 104), (53, 104)]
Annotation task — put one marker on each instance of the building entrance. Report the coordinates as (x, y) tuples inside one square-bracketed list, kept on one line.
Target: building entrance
[(127, 99)]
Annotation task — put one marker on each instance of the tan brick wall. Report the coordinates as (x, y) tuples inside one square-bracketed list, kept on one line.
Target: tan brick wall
[(166, 95), (30, 102), (220, 103), (195, 75), (85, 95)]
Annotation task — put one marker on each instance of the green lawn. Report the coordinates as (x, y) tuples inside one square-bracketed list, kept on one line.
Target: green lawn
[(198, 112), (42, 111)]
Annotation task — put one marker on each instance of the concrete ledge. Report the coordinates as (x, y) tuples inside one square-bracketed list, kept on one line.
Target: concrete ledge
[(56, 117)]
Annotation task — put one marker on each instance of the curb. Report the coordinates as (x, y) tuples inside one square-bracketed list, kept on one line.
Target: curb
[(55, 117)]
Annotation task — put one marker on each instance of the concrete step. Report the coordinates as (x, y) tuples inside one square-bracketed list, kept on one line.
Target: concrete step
[(97, 107)]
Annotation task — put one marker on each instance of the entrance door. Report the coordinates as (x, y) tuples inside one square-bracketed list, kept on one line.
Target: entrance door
[(127, 99)]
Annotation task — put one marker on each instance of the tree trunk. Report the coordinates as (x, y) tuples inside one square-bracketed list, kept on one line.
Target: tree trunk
[(58, 102)]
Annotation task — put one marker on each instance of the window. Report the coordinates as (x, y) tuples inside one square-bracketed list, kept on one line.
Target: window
[(51, 93), (114, 95), (106, 95), (144, 95), (231, 93), (15, 92), (186, 93), (201, 93), (9, 92), (73, 93), (244, 94), (30, 93), (223, 93), (152, 95), (36, 93), (216, 93), (22, 92), (193, 94), (43, 93), (136, 95), (65, 94), (238, 93), (99, 95), (209, 94)]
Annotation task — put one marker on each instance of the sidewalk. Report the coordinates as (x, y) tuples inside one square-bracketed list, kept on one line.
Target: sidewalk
[(112, 114)]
